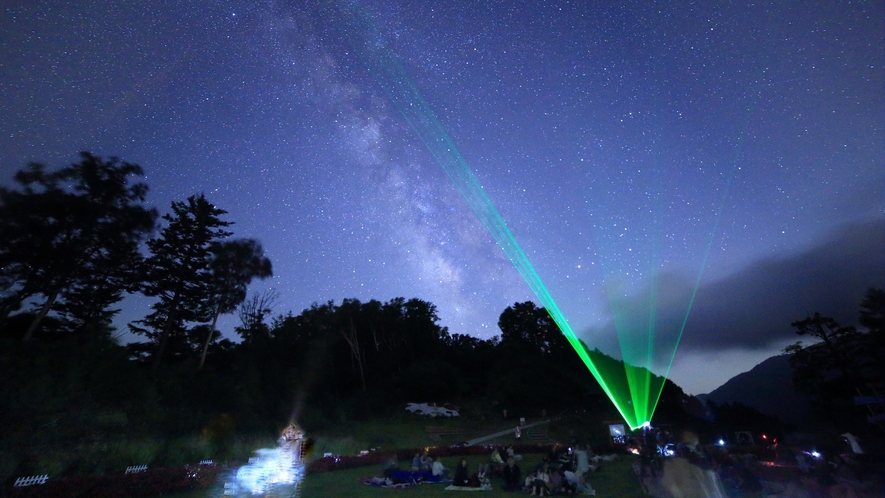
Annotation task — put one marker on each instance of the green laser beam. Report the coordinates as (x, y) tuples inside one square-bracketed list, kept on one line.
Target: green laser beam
[(421, 118), (706, 257), (628, 386), (423, 121)]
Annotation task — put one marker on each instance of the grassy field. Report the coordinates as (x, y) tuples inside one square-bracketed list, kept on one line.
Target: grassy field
[(405, 430), (614, 480)]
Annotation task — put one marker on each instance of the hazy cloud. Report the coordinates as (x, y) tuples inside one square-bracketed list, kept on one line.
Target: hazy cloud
[(752, 309)]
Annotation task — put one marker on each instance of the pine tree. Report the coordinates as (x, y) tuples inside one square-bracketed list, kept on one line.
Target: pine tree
[(233, 265), (69, 232), (178, 271)]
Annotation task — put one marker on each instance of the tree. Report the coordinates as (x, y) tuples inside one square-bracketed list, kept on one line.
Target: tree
[(834, 352), (530, 326), (842, 359), (178, 270), (872, 319), (350, 334), (253, 313), (70, 233), (233, 265)]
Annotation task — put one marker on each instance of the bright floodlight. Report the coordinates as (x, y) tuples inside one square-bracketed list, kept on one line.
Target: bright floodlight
[(272, 468)]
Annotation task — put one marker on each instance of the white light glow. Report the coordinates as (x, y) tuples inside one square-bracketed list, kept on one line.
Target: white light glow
[(271, 468), (274, 467)]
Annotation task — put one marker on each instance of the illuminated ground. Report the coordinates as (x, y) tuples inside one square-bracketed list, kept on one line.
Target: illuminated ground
[(614, 480)]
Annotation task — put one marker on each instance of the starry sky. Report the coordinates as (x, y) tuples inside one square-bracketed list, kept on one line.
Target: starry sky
[(720, 157)]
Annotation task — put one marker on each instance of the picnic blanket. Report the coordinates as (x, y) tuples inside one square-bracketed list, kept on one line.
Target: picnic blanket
[(401, 479), (384, 482)]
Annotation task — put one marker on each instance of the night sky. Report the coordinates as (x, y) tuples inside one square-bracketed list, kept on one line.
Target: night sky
[(735, 148)]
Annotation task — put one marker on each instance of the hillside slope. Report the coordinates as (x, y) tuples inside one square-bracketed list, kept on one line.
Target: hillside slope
[(768, 388)]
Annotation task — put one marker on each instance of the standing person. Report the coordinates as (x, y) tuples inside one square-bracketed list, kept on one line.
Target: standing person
[(582, 460), (512, 475), (461, 477)]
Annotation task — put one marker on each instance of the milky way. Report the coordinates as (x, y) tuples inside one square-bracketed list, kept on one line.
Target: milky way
[(622, 144)]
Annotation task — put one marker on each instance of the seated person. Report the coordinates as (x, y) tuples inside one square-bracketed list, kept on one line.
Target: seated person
[(496, 457), (461, 478), (512, 475), (391, 467), (558, 485), (482, 476), (426, 462), (483, 470), (567, 458), (540, 483), (416, 462), (577, 483), (437, 469)]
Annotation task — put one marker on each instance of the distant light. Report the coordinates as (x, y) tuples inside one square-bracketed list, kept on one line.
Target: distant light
[(646, 425), (815, 454), (721, 442), (764, 436)]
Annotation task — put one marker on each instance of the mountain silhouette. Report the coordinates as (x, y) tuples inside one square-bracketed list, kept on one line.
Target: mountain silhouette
[(767, 387)]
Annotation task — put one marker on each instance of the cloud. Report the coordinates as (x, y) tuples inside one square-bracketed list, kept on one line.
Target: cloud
[(752, 309)]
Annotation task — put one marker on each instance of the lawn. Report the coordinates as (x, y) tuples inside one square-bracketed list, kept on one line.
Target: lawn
[(616, 479), (404, 430)]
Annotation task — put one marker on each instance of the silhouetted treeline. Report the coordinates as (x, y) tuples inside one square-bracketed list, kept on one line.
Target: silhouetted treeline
[(329, 364), (843, 362), (73, 242), (70, 248)]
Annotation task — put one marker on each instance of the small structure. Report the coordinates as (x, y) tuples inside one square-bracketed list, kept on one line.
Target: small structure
[(30, 481), (744, 438), (617, 433)]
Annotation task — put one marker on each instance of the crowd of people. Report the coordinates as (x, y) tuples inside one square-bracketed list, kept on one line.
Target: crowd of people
[(425, 463), (564, 472), (561, 473)]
